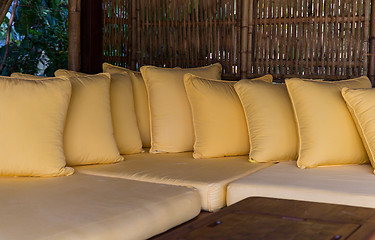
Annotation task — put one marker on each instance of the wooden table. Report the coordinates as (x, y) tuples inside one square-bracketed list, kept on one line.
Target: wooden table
[(269, 219)]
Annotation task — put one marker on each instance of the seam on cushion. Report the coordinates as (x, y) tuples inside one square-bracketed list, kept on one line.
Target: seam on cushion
[(298, 124), (247, 123), (362, 130), (149, 109), (195, 154)]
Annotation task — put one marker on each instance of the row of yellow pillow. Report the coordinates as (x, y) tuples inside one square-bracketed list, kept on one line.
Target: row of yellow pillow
[(196, 113), (324, 133), (100, 113), (304, 120), (48, 123)]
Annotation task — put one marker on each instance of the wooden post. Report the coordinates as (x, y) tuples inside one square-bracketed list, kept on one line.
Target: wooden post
[(91, 36), (74, 49), (244, 36), (371, 72)]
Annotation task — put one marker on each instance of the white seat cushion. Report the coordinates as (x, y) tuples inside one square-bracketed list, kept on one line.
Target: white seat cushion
[(209, 176), (347, 185), (91, 207)]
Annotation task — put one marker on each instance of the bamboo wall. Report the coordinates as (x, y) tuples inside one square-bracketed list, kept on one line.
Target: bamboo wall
[(314, 38)]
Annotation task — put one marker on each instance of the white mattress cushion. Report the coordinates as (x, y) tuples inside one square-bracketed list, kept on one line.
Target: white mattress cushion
[(347, 185), (209, 176), (91, 207)]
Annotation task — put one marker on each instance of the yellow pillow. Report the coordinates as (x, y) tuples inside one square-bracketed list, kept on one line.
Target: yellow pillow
[(327, 133), (32, 122), (270, 121), (218, 118), (27, 76), (361, 104), (88, 136), (125, 128), (171, 121), (140, 100), (69, 73)]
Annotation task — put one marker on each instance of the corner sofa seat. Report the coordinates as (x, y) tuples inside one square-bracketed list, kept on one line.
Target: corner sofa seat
[(210, 176), (347, 185), (91, 207)]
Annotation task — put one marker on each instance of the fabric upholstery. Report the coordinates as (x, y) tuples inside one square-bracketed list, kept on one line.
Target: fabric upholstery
[(27, 76), (270, 121), (361, 103), (90, 207), (171, 120), (32, 121), (347, 185), (209, 176), (327, 132), (218, 118), (88, 135), (124, 120), (140, 100)]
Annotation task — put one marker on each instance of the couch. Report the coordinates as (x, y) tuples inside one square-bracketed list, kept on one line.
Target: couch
[(157, 178)]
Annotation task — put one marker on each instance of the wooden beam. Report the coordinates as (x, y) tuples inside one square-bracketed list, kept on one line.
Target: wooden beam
[(91, 36), (74, 48)]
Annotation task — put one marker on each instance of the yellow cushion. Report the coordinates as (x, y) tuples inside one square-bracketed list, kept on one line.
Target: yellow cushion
[(140, 100), (218, 118), (32, 123), (125, 128), (210, 177), (171, 120), (270, 120), (327, 132), (83, 207), (27, 76), (88, 136), (361, 103)]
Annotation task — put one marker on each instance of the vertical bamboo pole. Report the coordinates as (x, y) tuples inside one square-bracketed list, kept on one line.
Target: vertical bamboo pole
[(133, 27), (371, 72), (74, 42), (244, 36)]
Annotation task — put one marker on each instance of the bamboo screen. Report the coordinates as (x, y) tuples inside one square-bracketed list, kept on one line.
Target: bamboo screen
[(184, 33), (315, 38)]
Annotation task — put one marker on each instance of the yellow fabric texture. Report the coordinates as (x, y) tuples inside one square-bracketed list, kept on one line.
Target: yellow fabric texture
[(218, 118), (270, 121), (88, 136), (32, 123), (361, 104), (327, 132), (171, 121), (27, 76), (89, 207), (140, 100), (125, 128), (209, 177), (347, 185)]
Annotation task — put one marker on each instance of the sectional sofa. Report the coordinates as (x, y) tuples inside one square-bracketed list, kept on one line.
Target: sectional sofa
[(129, 155)]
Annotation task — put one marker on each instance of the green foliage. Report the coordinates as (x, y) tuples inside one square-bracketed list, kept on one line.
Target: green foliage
[(39, 37)]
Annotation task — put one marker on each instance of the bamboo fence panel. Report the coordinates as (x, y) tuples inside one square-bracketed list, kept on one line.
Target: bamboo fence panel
[(172, 33), (117, 37), (287, 38), (310, 38)]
